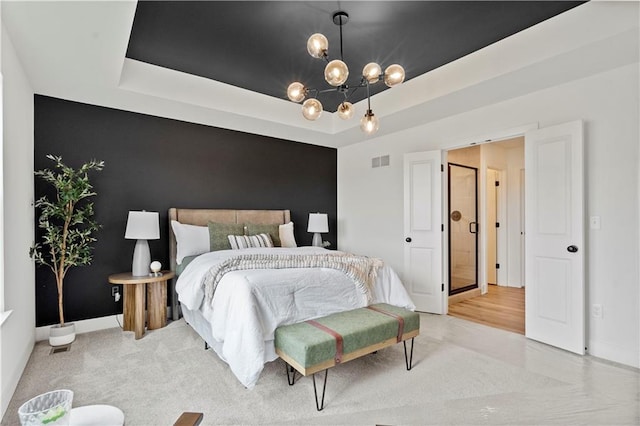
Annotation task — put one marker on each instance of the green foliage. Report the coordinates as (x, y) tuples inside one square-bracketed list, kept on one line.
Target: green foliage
[(67, 220)]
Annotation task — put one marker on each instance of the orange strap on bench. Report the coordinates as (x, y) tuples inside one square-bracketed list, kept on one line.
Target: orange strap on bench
[(335, 334), (391, 314)]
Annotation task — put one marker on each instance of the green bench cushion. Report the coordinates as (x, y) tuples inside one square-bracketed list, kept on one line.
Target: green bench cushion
[(359, 328)]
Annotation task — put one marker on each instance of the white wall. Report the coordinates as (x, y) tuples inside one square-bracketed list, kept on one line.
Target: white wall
[(370, 206), (18, 331)]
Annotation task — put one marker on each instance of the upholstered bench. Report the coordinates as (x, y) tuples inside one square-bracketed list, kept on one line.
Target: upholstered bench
[(316, 345)]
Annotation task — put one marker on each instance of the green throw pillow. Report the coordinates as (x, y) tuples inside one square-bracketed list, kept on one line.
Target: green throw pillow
[(218, 233), (272, 230)]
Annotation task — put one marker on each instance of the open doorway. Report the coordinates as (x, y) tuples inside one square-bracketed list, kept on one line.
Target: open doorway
[(498, 299)]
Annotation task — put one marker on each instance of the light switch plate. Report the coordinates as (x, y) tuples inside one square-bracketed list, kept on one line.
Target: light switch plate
[(594, 222)]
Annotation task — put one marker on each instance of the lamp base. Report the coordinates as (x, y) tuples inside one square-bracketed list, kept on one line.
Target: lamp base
[(317, 240), (141, 259)]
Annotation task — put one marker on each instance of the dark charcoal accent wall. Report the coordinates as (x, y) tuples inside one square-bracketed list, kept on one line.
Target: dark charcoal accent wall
[(153, 164)]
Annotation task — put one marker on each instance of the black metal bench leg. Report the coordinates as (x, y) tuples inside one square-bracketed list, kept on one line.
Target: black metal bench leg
[(291, 378), (408, 360), (320, 406)]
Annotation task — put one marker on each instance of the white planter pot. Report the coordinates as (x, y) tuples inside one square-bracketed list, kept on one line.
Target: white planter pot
[(59, 336)]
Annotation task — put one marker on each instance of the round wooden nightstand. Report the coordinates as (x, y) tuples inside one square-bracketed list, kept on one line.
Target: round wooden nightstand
[(135, 299)]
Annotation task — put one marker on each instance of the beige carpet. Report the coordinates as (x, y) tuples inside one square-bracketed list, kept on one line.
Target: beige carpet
[(464, 373)]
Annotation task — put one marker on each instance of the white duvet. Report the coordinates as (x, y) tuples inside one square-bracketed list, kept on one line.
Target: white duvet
[(250, 304)]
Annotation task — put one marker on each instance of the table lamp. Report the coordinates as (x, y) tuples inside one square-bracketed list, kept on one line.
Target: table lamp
[(318, 223), (142, 226)]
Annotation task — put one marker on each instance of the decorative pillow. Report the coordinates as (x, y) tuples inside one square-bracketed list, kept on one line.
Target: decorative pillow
[(259, 228), (245, 241), (186, 261), (191, 240), (218, 234), (287, 239)]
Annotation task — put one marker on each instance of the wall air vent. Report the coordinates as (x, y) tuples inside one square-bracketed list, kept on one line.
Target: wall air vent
[(382, 161)]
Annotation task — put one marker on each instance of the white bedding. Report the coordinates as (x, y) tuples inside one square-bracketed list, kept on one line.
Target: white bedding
[(250, 304)]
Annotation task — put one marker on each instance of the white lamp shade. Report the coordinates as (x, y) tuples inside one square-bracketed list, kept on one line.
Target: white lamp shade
[(318, 222), (143, 226)]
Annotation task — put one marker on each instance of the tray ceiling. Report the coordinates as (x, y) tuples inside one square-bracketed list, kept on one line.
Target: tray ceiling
[(261, 45)]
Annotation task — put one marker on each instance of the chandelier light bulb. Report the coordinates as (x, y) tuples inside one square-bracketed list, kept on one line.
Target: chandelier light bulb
[(369, 123), (296, 92), (311, 109), (317, 45), (345, 110), (371, 72), (393, 75), (336, 72)]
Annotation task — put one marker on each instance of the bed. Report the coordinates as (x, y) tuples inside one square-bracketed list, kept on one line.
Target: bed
[(238, 318)]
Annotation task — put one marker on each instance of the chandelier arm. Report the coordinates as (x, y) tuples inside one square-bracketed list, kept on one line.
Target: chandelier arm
[(363, 82), (351, 91), (315, 91), (332, 89)]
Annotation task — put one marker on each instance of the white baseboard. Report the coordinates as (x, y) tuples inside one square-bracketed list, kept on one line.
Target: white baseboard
[(86, 326), (83, 326), (618, 355)]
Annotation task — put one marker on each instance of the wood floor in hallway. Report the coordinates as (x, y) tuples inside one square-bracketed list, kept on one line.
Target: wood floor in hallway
[(501, 307)]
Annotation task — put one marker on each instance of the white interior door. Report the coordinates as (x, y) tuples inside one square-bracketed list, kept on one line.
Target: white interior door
[(554, 245), (423, 232)]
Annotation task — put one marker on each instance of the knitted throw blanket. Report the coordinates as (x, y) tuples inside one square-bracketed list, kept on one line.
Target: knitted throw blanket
[(361, 269)]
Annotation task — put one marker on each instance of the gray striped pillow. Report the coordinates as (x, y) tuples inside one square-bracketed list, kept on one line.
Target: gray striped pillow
[(246, 241)]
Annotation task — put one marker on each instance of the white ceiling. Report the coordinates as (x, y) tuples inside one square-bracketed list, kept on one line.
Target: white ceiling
[(75, 50)]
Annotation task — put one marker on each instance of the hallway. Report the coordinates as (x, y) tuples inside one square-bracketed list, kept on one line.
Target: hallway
[(501, 307)]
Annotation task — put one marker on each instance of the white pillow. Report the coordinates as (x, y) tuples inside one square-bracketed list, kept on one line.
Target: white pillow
[(245, 241), (287, 239), (191, 240)]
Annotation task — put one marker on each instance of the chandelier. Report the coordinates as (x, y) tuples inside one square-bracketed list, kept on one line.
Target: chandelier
[(336, 74)]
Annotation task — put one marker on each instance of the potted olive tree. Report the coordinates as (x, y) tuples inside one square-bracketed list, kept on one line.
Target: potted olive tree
[(67, 223)]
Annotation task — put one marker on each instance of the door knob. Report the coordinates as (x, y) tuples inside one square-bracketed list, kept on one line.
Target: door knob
[(572, 249), (408, 239)]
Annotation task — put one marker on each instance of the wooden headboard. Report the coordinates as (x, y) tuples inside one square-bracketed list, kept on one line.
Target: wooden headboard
[(201, 217)]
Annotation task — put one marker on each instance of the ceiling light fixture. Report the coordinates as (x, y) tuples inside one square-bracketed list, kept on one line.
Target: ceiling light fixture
[(336, 74)]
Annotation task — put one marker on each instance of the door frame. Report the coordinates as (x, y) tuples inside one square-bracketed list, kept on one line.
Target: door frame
[(494, 136)]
